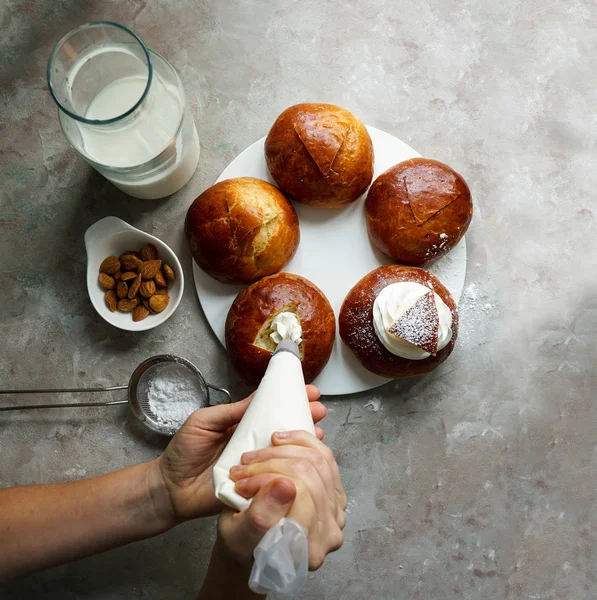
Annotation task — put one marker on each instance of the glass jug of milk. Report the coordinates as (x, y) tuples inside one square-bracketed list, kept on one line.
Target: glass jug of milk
[(123, 109)]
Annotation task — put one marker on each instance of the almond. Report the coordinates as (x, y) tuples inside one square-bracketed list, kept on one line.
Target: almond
[(117, 275), (169, 273), (110, 265), (147, 288), (128, 305), (149, 269), (158, 302), (146, 304), (128, 275), (134, 287), (133, 252), (106, 281), (140, 313), (122, 290), (161, 292), (160, 280), (111, 300), (149, 252), (130, 262)]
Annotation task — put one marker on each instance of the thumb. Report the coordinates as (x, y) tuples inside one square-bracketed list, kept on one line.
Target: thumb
[(271, 503), (220, 417)]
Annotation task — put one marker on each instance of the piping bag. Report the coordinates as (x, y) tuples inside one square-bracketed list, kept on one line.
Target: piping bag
[(280, 403)]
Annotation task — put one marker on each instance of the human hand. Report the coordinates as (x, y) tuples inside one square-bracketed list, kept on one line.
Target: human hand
[(185, 467), (297, 478)]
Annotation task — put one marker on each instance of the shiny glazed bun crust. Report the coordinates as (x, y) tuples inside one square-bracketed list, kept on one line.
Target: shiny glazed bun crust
[(240, 230), (418, 210), (320, 154)]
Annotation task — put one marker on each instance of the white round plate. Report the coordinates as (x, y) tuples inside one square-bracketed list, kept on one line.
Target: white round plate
[(334, 253)]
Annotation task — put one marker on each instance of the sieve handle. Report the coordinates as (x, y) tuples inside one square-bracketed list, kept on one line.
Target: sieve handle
[(221, 390), (65, 390), (61, 391)]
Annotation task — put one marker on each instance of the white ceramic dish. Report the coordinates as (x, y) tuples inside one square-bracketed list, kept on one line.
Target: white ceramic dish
[(113, 236), (334, 253)]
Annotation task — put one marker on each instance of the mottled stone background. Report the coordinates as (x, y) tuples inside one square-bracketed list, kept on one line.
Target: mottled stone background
[(478, 481)]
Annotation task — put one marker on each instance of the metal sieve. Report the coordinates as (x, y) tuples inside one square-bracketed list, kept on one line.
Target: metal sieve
[(138, 388)]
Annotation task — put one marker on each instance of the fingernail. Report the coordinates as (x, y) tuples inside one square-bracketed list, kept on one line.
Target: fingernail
[(241, 483), (248, 456), (282, 435), (236, 472), (282, 493)]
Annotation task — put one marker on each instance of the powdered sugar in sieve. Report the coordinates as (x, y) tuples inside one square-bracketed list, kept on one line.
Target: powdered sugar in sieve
[(173, 393)]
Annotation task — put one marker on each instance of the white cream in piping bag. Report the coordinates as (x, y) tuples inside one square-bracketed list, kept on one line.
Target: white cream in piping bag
[(280, 403), (392, 302)]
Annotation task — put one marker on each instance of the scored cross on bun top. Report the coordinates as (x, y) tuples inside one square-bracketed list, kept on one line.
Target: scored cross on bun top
[(320, 154), (242, 229), (418, 210)]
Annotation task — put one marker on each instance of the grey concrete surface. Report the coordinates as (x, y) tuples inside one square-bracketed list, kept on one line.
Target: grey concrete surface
[(477, 481)]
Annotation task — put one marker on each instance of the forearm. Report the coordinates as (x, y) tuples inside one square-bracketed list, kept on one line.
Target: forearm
[(46, 525), (226, 579)]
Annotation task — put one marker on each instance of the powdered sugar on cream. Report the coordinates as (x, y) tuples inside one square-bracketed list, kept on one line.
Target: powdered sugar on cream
[(395, 300)]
